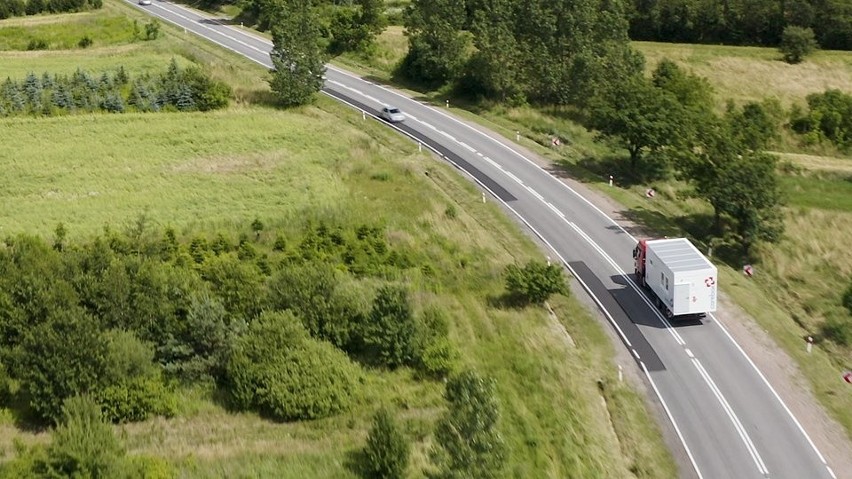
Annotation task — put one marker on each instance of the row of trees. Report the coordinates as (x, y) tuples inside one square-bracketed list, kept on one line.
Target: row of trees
[(15, 8), (741, 22), (183, 89), (557, 52), (284, 333)]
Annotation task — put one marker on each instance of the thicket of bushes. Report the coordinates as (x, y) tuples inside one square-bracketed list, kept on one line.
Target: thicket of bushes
[(829, 117), (282, 326), (176, 89)]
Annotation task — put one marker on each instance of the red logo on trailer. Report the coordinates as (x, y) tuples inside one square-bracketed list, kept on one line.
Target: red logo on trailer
[(709, 282)]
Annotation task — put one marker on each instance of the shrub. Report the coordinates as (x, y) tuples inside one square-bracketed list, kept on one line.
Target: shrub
[(278, 370), (37, 44), (468, 443), (152, 30), (535, 282), (390, 331), (134, 389), (797, 43), (847, 298), (839, 330), (387, 451), (85, 42), (84, 445), (439, 358)]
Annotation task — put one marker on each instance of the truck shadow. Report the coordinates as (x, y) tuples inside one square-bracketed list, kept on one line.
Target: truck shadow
[(644, 313)]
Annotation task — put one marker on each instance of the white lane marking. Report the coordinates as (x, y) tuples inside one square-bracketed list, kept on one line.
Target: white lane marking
[(410, 116), (479, 154), (449, 136), (467, 147), (733, 417), (428, 125), (689, 353), (775, 393), (671, 418), (512, 176)]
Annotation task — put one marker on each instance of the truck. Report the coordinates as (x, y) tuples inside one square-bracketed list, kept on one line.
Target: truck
[(682, 281)]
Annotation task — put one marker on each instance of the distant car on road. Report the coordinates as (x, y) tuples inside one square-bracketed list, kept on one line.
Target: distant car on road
[(392, 114), (144, 2)]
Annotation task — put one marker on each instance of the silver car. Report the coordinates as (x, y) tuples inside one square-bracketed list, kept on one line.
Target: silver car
[(144, 2), (392, 114)]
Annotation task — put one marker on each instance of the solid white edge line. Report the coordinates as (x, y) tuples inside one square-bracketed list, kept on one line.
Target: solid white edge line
[(729, 410), (671, 418), (775, 393)]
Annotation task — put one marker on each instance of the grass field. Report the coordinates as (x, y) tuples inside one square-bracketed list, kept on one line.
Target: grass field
[(204, 171), (61, 32)]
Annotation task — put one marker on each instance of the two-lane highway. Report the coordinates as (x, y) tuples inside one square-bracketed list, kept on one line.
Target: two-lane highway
[(731, 422)]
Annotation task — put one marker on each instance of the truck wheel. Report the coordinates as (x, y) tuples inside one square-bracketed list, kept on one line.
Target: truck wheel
[(639, 278), (669, 314)]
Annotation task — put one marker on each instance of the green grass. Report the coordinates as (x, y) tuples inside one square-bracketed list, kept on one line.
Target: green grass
[(825, 192), (63, 32), (223, 169)]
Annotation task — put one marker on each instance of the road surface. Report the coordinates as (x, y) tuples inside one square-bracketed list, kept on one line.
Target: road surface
[(730, 421)]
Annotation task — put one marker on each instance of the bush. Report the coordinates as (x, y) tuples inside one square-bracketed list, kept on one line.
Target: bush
[(797, 43), (390, 332), (152, 30), (278, 370), (84, 445), (847, 298), (468, 443), (134, 389), (387, 451), (85, 42), (37, 44), (839, 330), (535, 282)]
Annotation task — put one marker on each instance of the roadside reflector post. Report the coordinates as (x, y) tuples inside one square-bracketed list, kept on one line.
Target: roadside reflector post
[(419, 146), (548, 260), (610, 180), (363, 115), (517, 136), (620, 373), (810, 344), (448, 103), (483, 197)]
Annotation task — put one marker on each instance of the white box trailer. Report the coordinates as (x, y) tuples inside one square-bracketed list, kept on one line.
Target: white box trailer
[(682, 279)]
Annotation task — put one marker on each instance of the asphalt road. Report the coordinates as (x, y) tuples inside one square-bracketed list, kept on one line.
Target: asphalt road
[(730, 421)]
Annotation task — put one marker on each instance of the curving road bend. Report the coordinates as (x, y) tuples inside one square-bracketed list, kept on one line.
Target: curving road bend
[(728, 418)]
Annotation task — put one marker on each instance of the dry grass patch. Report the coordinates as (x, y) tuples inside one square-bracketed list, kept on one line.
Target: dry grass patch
[(753, 73)]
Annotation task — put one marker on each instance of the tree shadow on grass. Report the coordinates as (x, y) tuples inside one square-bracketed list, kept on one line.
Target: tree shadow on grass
[(355, 461), (260, 97)]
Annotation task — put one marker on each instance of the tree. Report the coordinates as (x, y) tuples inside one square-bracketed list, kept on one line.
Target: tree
[(797, 43), (298, 64), (83, 444), (535, 282), (639, 116), (494, 70), (391, 329), (753, 126), (436, 46), (468, 442), (387, 451), (60, 358)]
